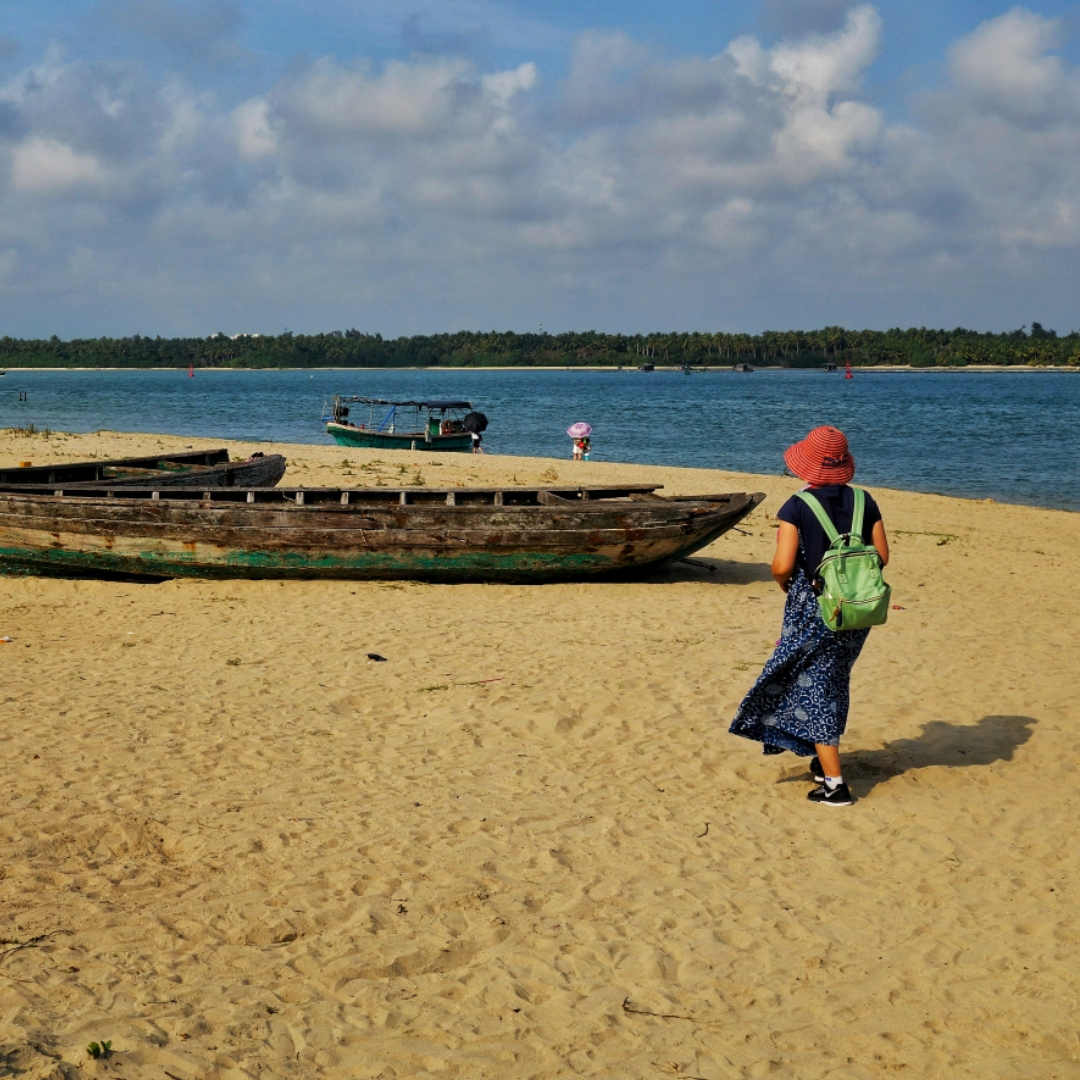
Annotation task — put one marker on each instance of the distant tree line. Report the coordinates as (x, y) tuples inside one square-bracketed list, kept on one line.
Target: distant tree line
[(921, 347)]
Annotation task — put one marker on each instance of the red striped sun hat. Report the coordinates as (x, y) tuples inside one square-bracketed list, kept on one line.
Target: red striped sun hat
[(821, 458)]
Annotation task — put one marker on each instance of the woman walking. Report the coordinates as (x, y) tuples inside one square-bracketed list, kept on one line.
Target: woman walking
[(800, 701)]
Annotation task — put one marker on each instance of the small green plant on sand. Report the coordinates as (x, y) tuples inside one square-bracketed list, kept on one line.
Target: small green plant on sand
[(100, 1050), (418, 479)]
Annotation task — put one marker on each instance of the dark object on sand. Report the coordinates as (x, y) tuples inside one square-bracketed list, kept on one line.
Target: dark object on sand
[(475, 421), (451, 534), (199, 468), (375, 656)]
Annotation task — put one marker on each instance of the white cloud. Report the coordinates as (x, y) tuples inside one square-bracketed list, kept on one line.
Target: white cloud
[(503, 86), (821, 65), (253, 132), (48, 167), (413, 99), (819, 132), (1006, 62), (9, 264), (433, 192)]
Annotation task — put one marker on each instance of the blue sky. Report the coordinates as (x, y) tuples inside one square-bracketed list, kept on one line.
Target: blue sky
[(187, 166)]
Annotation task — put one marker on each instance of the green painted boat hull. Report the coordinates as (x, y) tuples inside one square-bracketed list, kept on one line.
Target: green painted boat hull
[(335, 533), (519, 566), (381, 440)]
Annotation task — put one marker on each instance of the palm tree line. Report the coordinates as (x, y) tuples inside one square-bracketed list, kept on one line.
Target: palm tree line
[(921, 347)]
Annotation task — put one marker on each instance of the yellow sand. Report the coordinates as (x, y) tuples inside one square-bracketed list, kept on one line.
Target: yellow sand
[(525, 846)]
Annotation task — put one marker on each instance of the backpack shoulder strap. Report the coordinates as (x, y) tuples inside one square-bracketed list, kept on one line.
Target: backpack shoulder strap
[(819, 512), (857, 514)]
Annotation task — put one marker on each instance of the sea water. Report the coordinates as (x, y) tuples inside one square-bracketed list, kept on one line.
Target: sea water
[(1011, 436)]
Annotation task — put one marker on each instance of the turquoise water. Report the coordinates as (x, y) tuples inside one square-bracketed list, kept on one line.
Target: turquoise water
[(1012, 436)]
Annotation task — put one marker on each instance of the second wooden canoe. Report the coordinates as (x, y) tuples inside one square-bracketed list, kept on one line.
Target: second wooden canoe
[(198, 468)]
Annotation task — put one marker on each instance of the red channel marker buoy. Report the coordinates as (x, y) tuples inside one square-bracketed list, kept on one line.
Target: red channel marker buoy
[(847, 371), (190, 371)]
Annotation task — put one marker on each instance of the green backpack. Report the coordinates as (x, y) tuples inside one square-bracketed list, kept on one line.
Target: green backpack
[(855, 594)]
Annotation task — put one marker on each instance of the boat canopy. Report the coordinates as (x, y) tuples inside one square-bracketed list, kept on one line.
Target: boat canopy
[(414, 404)]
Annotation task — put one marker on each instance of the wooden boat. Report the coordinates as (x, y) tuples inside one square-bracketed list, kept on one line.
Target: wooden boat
[(421, 425), (199, 468), (444, 534)]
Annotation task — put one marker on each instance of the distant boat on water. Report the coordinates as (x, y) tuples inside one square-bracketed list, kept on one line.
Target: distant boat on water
[(421, 425)]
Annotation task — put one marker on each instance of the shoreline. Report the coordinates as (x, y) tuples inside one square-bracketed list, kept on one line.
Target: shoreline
[(625, 370), (299, 450)]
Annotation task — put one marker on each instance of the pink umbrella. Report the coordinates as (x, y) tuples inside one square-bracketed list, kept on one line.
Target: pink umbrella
[(579, 430)]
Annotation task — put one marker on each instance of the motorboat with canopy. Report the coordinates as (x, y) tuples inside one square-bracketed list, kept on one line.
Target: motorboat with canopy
[(401, 425)]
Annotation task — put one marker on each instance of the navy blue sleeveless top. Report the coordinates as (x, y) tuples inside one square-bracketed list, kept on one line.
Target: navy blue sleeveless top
[(839, 503)]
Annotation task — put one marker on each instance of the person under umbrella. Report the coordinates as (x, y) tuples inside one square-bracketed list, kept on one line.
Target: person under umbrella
[(580, 433), (474, 423)]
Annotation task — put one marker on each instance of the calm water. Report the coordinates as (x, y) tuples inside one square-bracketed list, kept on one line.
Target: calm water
[(1009, 436)]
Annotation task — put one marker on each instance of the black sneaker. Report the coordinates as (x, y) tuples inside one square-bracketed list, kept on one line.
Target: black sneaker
[(816, 771), (838, 796)]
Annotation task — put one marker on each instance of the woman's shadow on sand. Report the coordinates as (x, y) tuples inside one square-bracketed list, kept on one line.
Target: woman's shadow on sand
[(992, 739)]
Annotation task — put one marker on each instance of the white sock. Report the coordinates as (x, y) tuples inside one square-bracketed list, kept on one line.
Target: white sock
[(833, 782)]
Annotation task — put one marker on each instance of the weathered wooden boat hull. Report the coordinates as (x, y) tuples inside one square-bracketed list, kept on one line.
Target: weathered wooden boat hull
[(360, 533), (199, 468), (344, 435)]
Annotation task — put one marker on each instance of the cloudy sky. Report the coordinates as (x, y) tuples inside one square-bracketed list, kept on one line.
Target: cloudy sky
[(188, 166)]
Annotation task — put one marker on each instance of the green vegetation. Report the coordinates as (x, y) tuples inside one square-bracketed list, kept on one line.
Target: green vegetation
[(100, 1050), (788, 348)]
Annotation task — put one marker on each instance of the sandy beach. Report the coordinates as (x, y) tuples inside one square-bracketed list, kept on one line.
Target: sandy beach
[(524, 847)]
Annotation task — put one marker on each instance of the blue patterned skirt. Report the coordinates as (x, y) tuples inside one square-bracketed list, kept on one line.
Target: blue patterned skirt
[(802, 696)]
